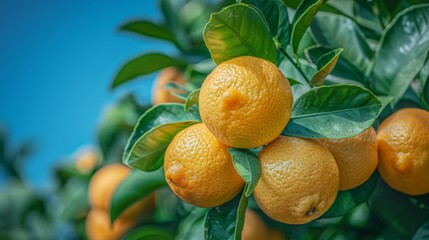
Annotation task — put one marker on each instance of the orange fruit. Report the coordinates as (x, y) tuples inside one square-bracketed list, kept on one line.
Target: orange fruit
[(104, 183), (162, 95), (299, 180), (254, 227), (356, 157), (86, 161), (245, 102), (403, 150), (98, 226), (199, 169)]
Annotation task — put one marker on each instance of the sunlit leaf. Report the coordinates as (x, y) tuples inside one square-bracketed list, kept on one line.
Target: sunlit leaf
[(192, 99), (231, 33), (337, 111), (153, 132), (325, 64)]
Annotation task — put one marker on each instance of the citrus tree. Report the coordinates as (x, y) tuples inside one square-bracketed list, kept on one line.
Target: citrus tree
[(282, 112)]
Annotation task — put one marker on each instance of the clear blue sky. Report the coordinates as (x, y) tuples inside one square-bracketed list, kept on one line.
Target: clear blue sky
[(57, 60)]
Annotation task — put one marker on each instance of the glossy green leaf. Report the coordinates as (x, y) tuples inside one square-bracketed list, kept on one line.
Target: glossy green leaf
[(385, 101), (231, 33), (135, 187), (343, 69), (348, 200), (337, 111), (153, 132), (149, 232), (423, 232), (402, 52), (150, 29), (397, 210), (424, 84), (336, 31), (143, 65), (191, 227), (293, 81), (301, 21), (247, 165), (275, 12), (192, 99), (325, 64), (226, 221)]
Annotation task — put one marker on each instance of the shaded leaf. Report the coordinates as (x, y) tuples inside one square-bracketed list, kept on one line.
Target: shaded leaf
[(325, 64), (191, 227), (247, 165), (150, 29), (143, 65), (135, 187), (192, 99), (402, 52), (231, 33), (301, 21), (226, 221), (336, 31), (275, 12), (348, 200), (153, 132), (337, 111), (423, 232), (405, 219), (293, 81)]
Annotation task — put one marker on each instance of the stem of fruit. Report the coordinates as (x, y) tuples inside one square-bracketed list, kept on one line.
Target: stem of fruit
[(298, 67)]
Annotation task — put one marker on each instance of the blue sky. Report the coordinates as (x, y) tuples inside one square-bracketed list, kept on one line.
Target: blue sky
[(57, 60)]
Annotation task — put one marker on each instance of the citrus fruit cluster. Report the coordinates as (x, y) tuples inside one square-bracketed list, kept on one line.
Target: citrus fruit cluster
[(246, 102)]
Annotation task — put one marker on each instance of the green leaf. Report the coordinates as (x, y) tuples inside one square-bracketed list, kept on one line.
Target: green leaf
[(149, 232), (170, 10), (191, 227), (231, 33), (135, 187), (385, 101), (325, 64), (423, 232), (247, 165), (336, 31), (343, 69), (192, 99), (226, 221), (275, 12), (150, 29), (348, 200), (293, 81), (153, 132), (301, 21), (397, 210), (337, 111), (424, 83), (143, 65), (402, 52)]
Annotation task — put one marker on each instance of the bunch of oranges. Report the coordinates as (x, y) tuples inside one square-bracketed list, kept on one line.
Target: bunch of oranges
[(246, 102)]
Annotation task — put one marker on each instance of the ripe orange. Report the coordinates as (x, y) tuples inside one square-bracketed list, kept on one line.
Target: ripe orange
[(199, 169), (299, 180), (104, 183), (86, 161), (255, 228), (403, 140), (98, 226), (162, 95), (245, 102), (356, 157)]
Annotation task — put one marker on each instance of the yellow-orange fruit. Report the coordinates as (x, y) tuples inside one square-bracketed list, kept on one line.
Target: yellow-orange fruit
[(356, 157), (104, 183), (254, 227), (403, 150), (162, 95), (86, 161), (299, 180), (199, 169), (98, 226), (245, 102)]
